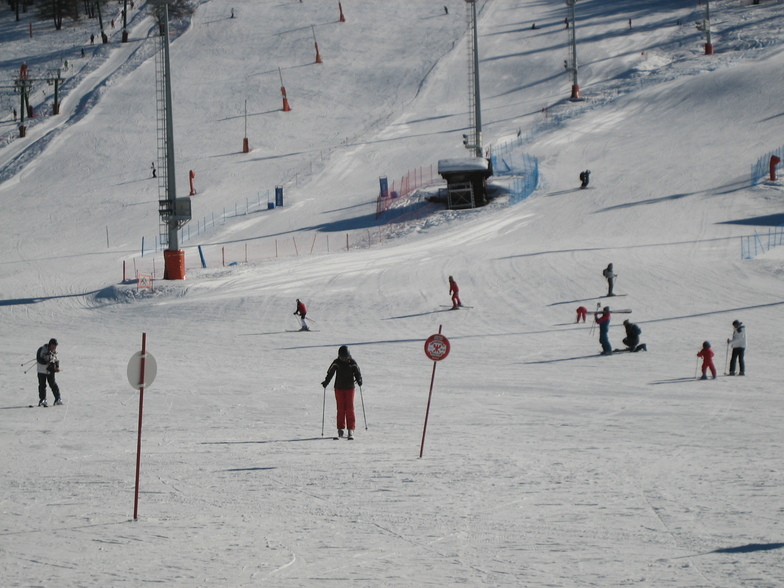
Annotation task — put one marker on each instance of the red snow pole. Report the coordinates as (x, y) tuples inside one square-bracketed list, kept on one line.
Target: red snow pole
[(245, 143), (774, 161), (286, 106), (142, 362), (191, 176), (436, 348), (141, 372), (318, 55), (340, 7)]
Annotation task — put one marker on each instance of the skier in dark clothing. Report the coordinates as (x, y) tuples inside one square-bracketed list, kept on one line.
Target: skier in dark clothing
[(603, 320), (632, 339), (48, 365), (346, 372), (738, 344), (610, 276), (585, 177)]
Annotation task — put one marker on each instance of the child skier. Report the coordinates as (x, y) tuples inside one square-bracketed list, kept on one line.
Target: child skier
[(707, 360)]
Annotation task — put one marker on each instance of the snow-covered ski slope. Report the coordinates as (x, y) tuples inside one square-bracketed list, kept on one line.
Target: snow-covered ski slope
[(544, 463)]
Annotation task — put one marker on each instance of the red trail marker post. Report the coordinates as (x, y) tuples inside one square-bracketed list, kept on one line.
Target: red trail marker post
[(436, 348), (141, 372)]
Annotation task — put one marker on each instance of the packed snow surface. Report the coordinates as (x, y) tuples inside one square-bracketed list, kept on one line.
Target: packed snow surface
[(544, 464)]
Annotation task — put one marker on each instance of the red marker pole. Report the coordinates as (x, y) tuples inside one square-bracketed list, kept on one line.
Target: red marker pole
[(436, 348), (139, 441)]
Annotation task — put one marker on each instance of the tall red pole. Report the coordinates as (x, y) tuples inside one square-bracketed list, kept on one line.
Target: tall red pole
[(139, 440), (429, 397)]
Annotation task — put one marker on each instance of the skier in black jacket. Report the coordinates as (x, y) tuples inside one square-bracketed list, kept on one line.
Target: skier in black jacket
[(632, 339), (48, 365), (346, 372)]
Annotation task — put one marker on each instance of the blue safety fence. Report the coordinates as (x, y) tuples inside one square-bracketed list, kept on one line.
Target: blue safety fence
[(753, 245), (508, 159)]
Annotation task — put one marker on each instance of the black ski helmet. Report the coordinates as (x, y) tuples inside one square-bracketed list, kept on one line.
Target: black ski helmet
[(53, 341), (343, 351), (706, 345)]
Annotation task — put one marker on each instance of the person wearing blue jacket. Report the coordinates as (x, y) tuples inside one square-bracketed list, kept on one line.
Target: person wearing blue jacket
[(603, 320)]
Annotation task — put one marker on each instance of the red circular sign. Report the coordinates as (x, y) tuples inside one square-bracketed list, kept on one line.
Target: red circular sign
[(437, 347)]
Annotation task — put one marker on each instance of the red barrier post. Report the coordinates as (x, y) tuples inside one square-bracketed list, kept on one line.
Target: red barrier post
[(774, 161)]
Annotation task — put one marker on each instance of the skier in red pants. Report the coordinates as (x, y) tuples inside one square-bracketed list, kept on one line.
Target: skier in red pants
[(707, 361), (455, 292), (346, 372)]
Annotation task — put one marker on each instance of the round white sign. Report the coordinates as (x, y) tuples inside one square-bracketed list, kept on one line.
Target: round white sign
[(135, 370)]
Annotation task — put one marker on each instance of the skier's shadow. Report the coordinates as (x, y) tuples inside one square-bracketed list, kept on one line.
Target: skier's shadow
[(672, 381), (560, 359), (392, 318)]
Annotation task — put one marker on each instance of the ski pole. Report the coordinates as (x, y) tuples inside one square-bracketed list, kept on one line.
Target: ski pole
[(696, 367), (310, 319), (726, 358), (362, 399), (27, 362), (323, 410), (593, 324)]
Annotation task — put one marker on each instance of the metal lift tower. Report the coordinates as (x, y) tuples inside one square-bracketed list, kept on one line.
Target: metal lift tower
[(571, 65), (174, 212), (474, 104)]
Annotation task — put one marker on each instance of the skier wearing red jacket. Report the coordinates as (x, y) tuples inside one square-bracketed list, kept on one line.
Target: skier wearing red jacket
[(301, 312), (454, 291), (707, 360)]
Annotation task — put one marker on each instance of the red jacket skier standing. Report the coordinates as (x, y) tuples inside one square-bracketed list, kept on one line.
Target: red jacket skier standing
[(454, 291), (301, 312)]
